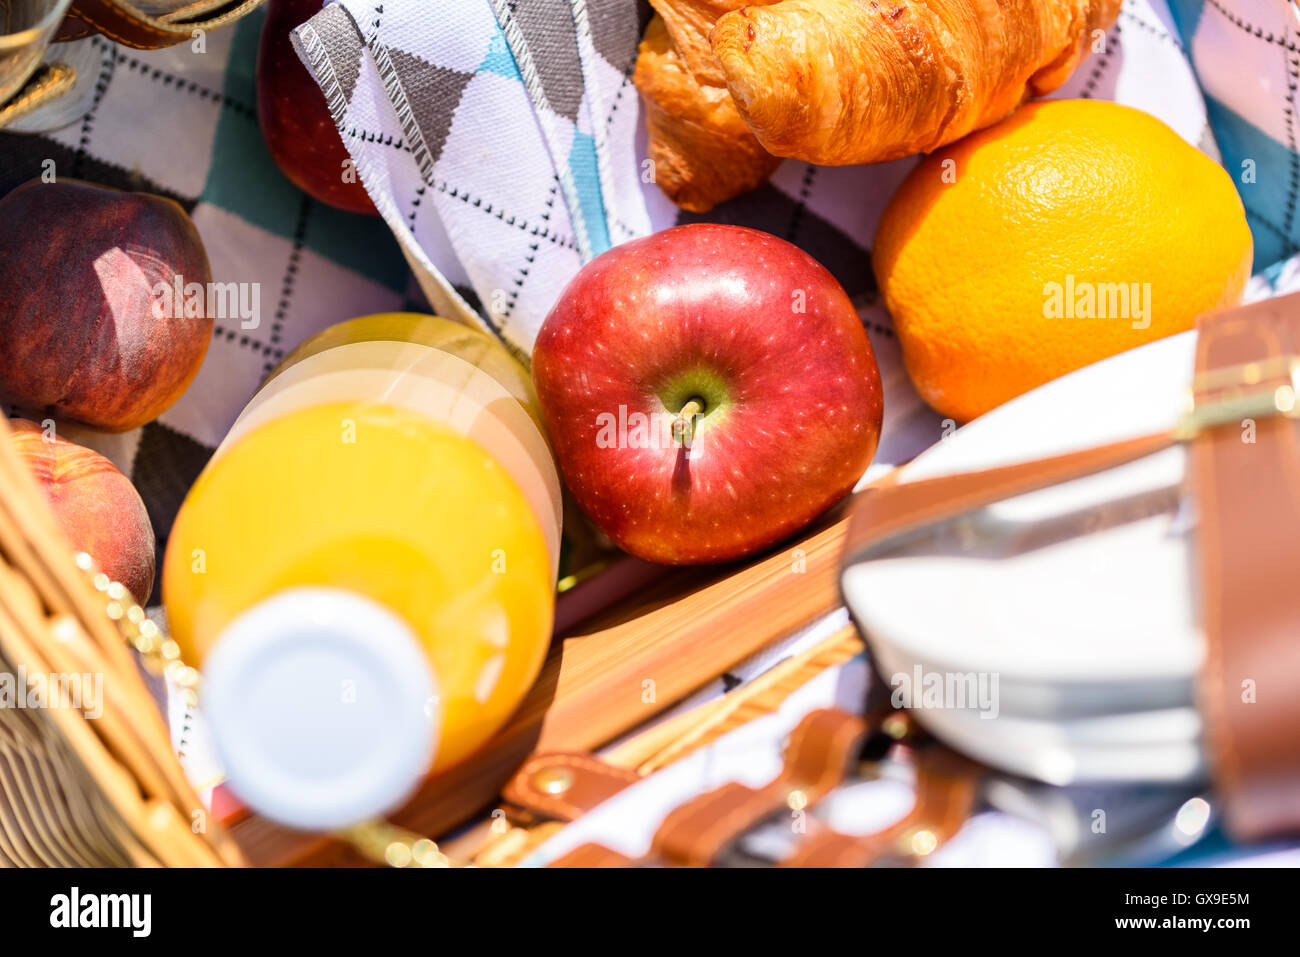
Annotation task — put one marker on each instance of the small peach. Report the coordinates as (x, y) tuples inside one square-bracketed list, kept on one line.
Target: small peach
[(96, 506)]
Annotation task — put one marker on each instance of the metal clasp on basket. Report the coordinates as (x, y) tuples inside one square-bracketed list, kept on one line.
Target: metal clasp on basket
[(1233, 393)]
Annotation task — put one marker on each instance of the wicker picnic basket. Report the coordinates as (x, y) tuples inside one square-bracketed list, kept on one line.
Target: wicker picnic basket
[(49, 85), (83, 782), (150, 24)]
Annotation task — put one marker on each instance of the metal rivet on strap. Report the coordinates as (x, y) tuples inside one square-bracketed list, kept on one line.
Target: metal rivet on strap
[(920, 842), (553, 780), (896, 726)]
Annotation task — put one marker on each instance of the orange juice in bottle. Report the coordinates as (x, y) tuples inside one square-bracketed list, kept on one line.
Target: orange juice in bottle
[(364, 573)]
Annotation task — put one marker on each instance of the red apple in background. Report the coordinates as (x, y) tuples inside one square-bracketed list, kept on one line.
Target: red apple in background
[(295, 119), (95, 505), (709, 390)]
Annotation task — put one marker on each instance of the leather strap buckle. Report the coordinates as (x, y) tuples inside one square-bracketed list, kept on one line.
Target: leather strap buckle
[(1227, 395)]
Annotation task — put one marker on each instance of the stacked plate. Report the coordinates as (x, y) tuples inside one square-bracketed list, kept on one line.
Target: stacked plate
[(1055, 635)]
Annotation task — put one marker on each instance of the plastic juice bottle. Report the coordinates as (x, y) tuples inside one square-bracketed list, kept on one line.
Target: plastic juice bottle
[(364, 573)]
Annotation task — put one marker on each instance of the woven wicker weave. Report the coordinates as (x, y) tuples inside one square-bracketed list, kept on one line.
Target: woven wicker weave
[(102, 790)]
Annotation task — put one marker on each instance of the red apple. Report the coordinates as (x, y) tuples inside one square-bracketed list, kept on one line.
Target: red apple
[(295, 119), (95, 505), (747, 331)]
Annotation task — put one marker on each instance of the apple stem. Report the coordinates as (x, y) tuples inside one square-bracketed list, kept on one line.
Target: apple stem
[(684, 426)]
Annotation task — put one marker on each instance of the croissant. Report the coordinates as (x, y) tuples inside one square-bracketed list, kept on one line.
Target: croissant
[(701, 150), (836, 82), (860, 81)]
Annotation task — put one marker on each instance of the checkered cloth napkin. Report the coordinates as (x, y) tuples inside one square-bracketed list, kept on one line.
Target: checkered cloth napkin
[(497, 138)]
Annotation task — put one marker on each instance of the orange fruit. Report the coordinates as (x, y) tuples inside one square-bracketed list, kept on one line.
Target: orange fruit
[(1072, 230)]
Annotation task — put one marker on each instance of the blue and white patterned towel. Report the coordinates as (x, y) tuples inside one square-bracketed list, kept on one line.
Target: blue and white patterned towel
[(497, 138)]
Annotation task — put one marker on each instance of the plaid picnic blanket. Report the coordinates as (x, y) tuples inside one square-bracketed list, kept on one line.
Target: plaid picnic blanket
[(1246, 58)]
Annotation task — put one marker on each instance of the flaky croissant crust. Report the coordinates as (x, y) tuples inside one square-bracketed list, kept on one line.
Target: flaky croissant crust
[(862, 81), (730, 87), (701, 150)]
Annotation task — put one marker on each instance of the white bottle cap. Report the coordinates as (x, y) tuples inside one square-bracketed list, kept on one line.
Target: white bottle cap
[(323, 707)]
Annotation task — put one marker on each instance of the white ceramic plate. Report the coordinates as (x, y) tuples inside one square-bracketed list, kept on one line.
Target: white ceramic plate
[(1053, 701), (1145, 746), (1063, 762), (1093, 637), (1113, 609)]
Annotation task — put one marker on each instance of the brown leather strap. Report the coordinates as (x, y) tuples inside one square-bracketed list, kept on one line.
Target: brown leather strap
[(820, 751), (592, 855), (1248, 545), (123, 23), (819, 754), (563, 786), (946, 788)]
